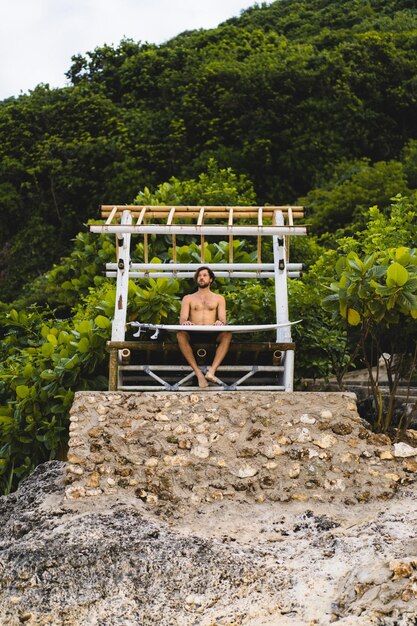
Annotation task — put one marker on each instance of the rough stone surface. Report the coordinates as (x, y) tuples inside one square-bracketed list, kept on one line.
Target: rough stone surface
[(333, 549), (178, 450)]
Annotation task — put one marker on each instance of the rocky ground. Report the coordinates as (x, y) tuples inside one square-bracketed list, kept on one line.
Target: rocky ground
[(220, 510), (113, 559)]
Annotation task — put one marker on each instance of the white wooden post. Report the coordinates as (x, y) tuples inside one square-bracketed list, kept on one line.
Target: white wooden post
[(289, 370), (123, 266), (280, 272), (281, 301)]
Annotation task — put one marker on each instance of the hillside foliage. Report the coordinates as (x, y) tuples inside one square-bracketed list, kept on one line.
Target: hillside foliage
[(295, 95)]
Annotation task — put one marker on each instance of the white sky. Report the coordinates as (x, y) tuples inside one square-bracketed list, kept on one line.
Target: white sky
[(39, 37)]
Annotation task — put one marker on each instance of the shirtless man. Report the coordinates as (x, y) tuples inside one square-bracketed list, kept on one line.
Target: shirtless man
[(208, 308)]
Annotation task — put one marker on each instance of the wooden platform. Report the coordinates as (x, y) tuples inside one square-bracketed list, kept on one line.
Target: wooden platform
[(159, 365)]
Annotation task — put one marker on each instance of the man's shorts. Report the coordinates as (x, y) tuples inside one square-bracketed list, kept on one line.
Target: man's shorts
[(201, 336)]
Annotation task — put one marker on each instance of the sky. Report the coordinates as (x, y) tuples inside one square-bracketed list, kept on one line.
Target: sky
[(39, 37)]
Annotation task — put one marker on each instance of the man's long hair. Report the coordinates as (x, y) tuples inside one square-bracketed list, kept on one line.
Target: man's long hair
[(210, 272)]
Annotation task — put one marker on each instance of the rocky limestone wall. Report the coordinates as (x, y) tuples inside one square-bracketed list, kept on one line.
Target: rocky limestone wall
[(114, 561), (178, 450)]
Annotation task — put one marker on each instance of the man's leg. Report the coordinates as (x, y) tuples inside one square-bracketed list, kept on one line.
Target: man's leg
[(222, 349), (183, 339)]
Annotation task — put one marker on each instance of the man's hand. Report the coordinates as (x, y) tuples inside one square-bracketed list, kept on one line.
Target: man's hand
[(218, 323), (187, 323)]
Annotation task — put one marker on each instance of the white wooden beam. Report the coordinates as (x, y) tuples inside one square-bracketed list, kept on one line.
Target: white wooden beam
[(190, 229), (123, 266)]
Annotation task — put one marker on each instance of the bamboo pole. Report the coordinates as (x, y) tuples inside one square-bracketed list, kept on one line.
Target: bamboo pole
[(113, 367)]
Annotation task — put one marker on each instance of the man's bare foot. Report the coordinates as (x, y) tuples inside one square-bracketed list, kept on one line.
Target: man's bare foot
[(202, 382), (211, 376)]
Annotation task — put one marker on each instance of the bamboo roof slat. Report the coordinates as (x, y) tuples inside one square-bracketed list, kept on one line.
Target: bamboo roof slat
[(138, 207), (182, 211), (141, 216), (111, 215), (171, 216), (200, 216), (260, 213)]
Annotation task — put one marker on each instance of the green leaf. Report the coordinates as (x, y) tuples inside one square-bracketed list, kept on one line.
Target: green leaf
[(340, 265), (47, 349), (397, 275), (102, 322), (64, 337), (83, 345), (383, 290), (403, 256), (84, 327), (354, 262), (48, 374), (353, 317), (343, 281), (24, 439), (407, 300), (72, 362), (412, 284), (28, 370), (22, 391)]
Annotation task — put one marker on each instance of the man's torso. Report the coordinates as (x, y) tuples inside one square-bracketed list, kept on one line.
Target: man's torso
[(203, 308)]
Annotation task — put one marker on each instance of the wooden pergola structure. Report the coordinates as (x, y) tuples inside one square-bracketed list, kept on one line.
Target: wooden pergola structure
[(157, 364)]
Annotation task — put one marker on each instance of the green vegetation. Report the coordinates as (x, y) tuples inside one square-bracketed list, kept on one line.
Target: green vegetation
[(43, 361), (295, 95), (377, 296), (374, 297), (292, 103)]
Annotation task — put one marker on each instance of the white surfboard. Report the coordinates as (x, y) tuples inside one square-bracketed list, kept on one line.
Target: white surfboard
[(206, 328)]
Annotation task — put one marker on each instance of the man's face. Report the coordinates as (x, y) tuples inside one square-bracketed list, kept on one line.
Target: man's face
[(203, 279)]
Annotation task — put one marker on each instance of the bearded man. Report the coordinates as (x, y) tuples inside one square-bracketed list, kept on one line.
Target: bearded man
[(203, 308)]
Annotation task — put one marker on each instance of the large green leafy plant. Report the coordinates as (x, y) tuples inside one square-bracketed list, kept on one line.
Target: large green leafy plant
[(375, 297), (154, 301), (322, 346), (43, 362)]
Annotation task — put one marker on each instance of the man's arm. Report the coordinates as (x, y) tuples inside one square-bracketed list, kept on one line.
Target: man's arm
[(221, 312), (185, 311)]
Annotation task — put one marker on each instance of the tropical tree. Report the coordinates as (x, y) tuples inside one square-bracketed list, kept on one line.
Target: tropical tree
[(282, 93), (341, 206), (373, 294)]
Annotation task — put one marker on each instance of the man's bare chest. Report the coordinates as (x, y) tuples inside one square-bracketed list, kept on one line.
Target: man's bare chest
[(204, 304)]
